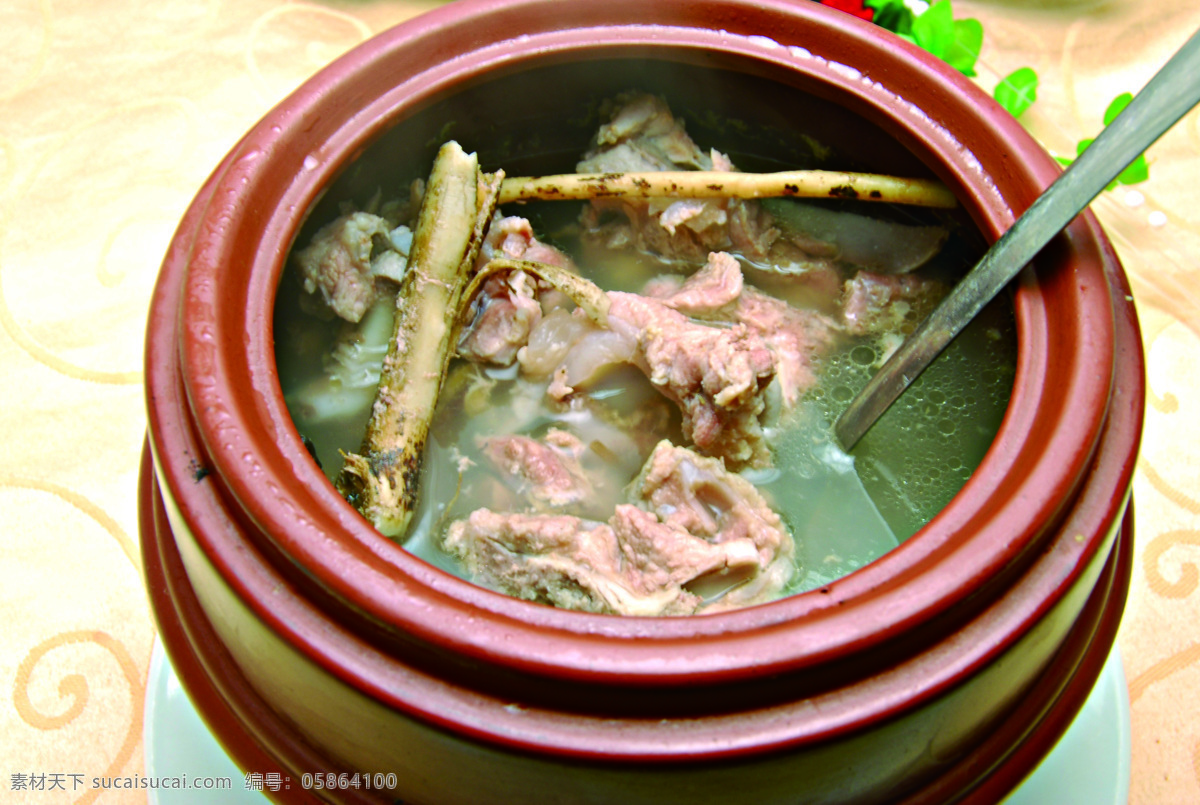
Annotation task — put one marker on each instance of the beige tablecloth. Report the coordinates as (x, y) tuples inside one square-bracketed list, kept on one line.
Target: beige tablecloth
[(112, 113)]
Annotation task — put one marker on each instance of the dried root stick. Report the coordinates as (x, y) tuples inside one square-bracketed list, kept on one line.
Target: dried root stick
[(383, 479), (719, 184)]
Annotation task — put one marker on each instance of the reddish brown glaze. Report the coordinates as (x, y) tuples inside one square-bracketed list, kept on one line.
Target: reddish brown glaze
[(258, 738), (1016, 552)]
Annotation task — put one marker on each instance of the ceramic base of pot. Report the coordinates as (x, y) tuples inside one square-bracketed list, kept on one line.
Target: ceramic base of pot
[(996, 770), (1088, 766)]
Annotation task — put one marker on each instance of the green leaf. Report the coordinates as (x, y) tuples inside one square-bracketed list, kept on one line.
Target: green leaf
[(957, 42), (1116, 107), (1138, 171), (968, 41), (1017, 91), (934, 30), (892, 15)]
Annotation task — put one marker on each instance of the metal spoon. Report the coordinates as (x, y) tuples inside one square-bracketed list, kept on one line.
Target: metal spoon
[(1168, 96)]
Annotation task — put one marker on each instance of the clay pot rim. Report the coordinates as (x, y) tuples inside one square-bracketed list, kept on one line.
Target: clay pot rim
[(252, 445)]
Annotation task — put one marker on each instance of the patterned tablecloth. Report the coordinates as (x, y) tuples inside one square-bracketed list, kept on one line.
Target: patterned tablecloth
[(112, 113)]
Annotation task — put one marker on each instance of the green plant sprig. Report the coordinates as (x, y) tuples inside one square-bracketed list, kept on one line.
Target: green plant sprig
[(955, 41), (1138, 170), (1017, 91), (958, 42)]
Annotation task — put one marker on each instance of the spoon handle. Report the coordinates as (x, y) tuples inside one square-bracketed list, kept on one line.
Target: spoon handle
[(1168, 96)]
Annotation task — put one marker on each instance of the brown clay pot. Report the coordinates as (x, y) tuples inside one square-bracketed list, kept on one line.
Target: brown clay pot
[(941, 672)]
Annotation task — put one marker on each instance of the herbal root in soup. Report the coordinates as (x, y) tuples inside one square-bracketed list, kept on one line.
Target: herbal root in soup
[(655, 438)]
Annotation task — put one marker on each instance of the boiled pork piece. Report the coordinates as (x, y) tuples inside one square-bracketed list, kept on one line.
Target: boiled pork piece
[(644, 136), (715, 373), (348, 258), (698, 494), (546, 472), (795, 336), (696, 538), (802, 242), (508, 305), (711, 344), (874, 304)]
